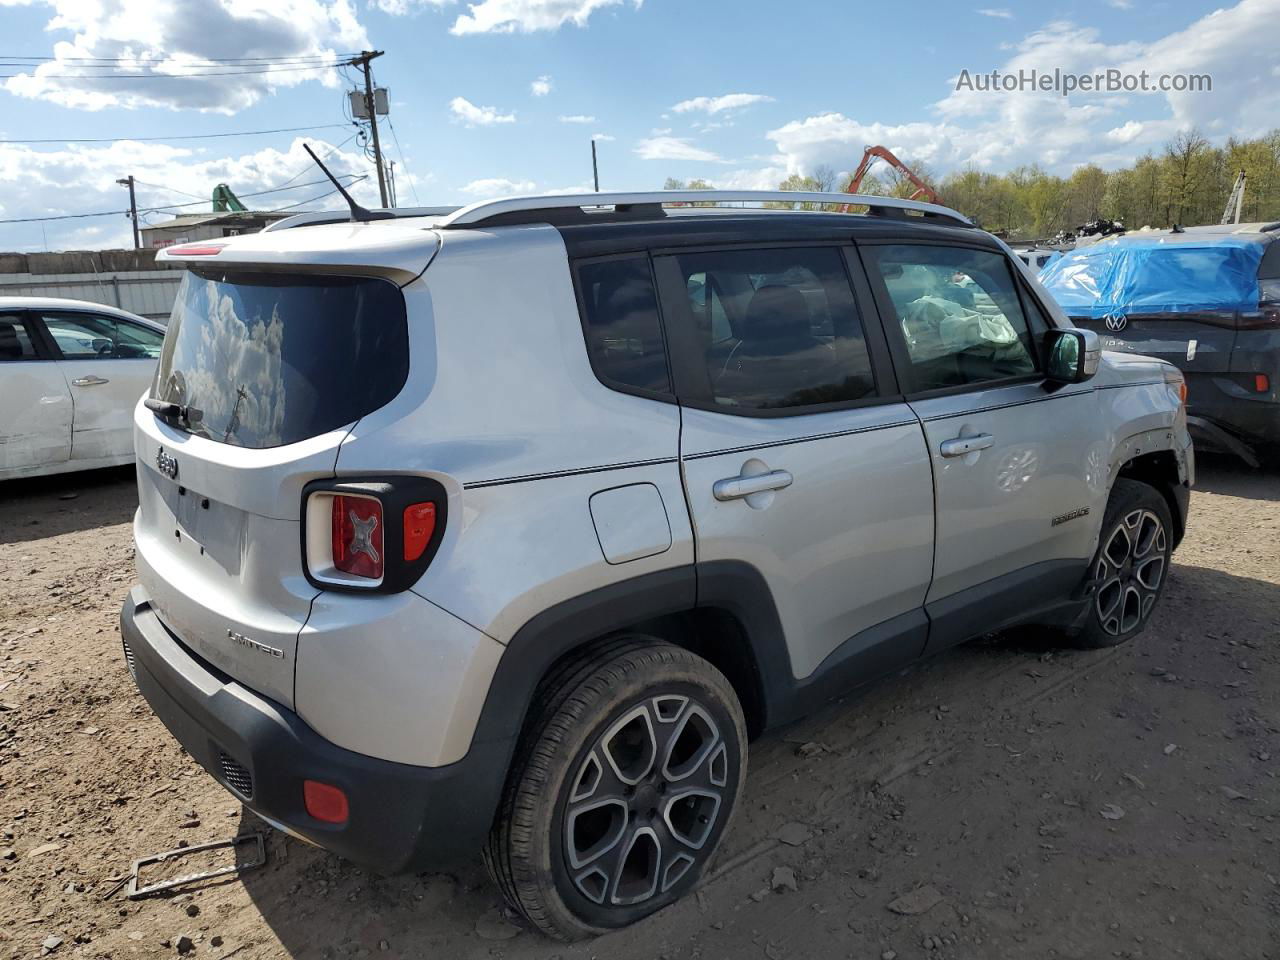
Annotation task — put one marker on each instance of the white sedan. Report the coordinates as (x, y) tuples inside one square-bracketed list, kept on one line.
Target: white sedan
[(71, 373)]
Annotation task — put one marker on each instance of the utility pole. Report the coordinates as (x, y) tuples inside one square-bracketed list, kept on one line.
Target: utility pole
[(391, 183), (595, 170), (363, 62), (133, 210)]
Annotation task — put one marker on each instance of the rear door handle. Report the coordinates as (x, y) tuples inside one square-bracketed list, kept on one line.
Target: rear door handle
[(89, 381), (959, 446), (735, 488)]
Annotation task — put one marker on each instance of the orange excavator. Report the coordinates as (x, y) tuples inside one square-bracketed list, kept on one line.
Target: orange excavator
[(869, 156)]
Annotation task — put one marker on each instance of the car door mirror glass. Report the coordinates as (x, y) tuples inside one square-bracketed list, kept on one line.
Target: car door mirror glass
[(1072, 355)]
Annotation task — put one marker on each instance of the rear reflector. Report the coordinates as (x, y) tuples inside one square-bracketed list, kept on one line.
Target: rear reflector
[(419, 525), (1261, 382), (326, 803), (357, 536)]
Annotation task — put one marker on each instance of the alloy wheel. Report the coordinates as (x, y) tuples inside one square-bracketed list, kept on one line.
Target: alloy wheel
[(1129, 570), (645, 801)]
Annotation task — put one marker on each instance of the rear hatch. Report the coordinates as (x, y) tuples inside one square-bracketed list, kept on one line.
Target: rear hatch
[(1177, 297), (270, 370)]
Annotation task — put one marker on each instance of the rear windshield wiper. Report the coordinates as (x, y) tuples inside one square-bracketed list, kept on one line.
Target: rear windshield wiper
[(167, 408)]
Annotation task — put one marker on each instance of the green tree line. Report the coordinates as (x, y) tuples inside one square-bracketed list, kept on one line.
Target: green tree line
[(1187, 182)]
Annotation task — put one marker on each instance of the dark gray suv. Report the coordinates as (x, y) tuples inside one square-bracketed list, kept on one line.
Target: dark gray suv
[(1206, 299)]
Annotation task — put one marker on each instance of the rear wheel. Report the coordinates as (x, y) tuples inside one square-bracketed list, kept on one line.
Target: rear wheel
[(1131, 565), (621, 791)]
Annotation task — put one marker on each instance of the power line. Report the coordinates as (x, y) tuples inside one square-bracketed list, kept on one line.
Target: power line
[(161, 186), (164, 76), (174, 206), (190, 136), (7, 58), (396, 137), (355, 180)]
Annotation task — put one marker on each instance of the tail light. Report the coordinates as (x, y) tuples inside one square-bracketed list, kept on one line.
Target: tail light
[(357, 536), (376, 535)]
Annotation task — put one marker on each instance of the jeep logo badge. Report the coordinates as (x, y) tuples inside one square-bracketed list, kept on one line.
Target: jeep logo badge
[(1116, 322), (166, 464)]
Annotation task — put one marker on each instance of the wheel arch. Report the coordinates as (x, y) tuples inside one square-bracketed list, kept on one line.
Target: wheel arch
[(726, 616), (1161, 470)]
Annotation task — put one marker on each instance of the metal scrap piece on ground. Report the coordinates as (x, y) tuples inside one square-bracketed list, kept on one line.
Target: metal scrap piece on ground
[(258, 859)]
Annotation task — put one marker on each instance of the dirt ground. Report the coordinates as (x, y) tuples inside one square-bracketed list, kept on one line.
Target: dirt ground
[(1003, 800)]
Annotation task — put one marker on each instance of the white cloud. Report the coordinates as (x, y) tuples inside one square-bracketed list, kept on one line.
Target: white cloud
[(402, 7), (999, 13), (1127, 132), (998, 130), (540, 87), (526, 16), (41, 182), (729, 101), (1121, 4), (484, 189), (474, 116), (577, 118), (674, 148), (603, 137), (164, 43)]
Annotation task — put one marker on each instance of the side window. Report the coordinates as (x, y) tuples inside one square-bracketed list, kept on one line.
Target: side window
[(15, 339), (620, 320), (91, 336), (776, 328), (959, 313), (135, 340)]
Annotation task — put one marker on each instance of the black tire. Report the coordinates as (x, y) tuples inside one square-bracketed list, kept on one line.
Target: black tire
[(598, 826), (1131, 566)]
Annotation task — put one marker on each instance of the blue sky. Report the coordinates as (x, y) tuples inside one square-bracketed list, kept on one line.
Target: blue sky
[(740, 94)]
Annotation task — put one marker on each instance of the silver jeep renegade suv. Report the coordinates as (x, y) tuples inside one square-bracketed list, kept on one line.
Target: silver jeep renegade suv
[(503, 529)]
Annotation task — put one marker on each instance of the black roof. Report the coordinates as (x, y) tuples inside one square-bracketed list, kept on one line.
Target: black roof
[(756, 227)]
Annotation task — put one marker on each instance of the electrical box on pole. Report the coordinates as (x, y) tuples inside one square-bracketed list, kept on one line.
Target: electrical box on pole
[(359, 105)]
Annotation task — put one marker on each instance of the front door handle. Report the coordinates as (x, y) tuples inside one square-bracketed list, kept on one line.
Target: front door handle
[(735, 488), (88, 381), (959, 446)]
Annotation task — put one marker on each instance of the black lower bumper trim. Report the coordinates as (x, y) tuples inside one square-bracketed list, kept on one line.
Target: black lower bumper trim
[(403, 818)]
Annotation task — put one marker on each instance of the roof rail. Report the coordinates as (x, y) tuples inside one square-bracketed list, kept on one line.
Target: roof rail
[(343, 216), (512, 210)]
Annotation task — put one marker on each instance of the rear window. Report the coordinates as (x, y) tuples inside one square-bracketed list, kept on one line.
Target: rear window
[(264, 361)]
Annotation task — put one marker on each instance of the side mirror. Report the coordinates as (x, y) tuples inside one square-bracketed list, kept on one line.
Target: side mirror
[(1073, 355)]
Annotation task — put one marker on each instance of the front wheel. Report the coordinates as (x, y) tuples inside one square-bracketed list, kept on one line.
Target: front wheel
[(1131, 565), (622, 790)]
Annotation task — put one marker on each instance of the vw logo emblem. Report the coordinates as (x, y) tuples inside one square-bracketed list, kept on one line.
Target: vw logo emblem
[(166, 464), (1116, 322)]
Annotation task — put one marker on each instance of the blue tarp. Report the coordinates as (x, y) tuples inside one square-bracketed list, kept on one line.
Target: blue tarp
[(1169, 273)]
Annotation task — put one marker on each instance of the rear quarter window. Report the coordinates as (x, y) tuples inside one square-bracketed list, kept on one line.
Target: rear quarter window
[(621, 325)]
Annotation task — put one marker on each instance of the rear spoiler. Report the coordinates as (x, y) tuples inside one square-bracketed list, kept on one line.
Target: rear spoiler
[(399, 252)]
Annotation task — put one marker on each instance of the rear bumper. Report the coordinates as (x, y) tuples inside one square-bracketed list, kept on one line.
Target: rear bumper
[(1224, 400), (403, 818)]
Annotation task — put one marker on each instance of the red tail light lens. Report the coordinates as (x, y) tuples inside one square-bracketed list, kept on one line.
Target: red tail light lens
[(326, 803), (358, 536), (1261, 382), (419, 525)]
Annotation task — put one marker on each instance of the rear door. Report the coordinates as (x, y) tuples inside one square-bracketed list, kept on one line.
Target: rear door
[(1019, 468), (799, 456), (109, 363), (35, 402), (273, 371)]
